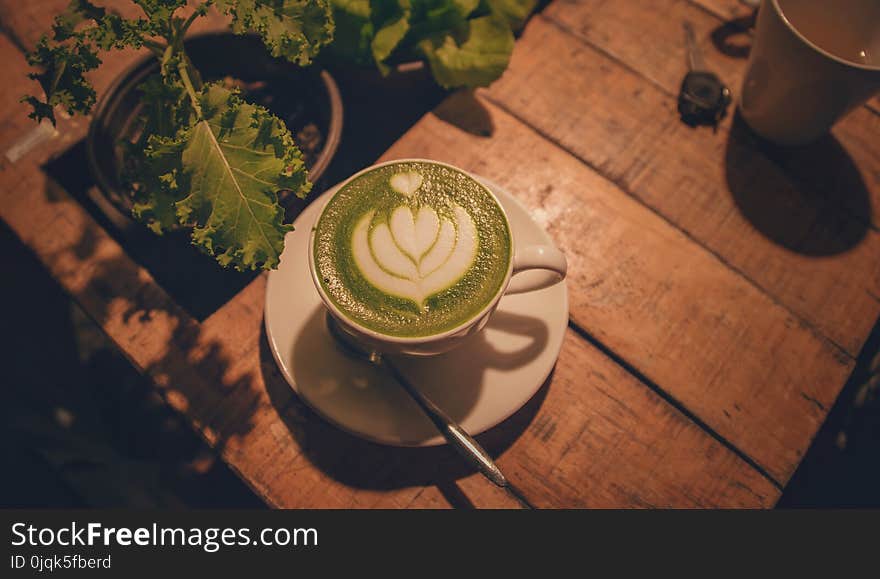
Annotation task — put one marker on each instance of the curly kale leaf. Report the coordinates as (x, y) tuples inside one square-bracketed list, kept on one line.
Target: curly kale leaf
[(354, 31), (223, 175), (77, 12), (292, 29), (159, 183), (159, 13), (61, 77), (78, 34), (201, 156), (153, 169)]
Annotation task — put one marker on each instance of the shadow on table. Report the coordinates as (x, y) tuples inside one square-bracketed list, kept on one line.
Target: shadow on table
[(190, 276), (463, 110), (83, 428), (733, 37), (809, 199), (191, 371), (363, 464), (841, 470)]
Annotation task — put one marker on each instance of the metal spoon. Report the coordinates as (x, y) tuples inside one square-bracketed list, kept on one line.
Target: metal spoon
[(458, 438)]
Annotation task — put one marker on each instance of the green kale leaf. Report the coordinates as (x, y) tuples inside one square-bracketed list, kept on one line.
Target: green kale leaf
[(291, 29), (516, 11), (234, 161), (61, 76), (354, 31), (465, 42), (475, 56)]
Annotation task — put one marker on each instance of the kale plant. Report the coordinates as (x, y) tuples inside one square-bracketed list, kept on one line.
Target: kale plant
[(205, 158)]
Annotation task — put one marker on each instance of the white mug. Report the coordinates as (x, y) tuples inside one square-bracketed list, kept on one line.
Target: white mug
[(544, 257), (811, 62)]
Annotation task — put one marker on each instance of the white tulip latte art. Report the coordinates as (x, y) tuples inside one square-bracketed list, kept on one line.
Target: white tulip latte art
[(412, 248), (415, 256)]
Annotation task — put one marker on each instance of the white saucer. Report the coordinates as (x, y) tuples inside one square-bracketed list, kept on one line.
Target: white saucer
[(479, 384)]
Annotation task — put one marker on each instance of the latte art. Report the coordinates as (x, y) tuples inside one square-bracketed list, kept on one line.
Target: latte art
[(412, 248), (416, 256)]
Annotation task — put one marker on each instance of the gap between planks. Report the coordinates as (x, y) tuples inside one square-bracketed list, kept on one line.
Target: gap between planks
[(670, 399)]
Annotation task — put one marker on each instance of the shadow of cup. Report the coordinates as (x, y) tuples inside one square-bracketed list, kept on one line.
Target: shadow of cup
[(361, 463), (361, 395), (733, 37), (810, 199)]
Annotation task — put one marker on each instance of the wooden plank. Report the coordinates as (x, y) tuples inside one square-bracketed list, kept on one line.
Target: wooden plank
[(822, 175), (739, 361), (25, 22), (778, 221)]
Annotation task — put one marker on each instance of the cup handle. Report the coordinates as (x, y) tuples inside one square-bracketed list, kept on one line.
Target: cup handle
[(544, 257)]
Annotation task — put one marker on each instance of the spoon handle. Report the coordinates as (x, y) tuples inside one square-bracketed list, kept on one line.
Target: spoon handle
[(458, 438)]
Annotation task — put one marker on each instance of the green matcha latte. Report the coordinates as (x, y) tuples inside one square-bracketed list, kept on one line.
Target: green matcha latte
[(412, 249)]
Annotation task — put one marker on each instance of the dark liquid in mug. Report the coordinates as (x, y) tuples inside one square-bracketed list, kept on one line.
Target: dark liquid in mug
[(848, 29)]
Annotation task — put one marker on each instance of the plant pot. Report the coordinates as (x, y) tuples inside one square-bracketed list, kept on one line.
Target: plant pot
[(306, 99)]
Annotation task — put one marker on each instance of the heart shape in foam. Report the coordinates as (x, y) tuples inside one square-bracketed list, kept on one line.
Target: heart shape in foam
[(415, 255), (406, 183), (414, 235)]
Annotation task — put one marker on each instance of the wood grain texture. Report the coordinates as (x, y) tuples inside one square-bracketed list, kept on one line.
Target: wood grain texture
[(793, 222), (597, 439), (594, 436), (25, 22), (739, 361), (579, 443), (14, 122)]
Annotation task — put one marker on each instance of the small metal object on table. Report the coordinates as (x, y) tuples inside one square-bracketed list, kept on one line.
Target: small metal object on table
[(703, 98)]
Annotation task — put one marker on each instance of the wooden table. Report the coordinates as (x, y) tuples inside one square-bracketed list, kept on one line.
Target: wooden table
[(720, 288)]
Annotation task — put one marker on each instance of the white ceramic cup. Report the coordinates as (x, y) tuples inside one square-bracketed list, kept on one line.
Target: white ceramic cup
[(805, 68), (533, 257)]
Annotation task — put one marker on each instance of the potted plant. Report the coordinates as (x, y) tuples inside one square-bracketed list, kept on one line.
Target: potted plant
[(198, 153)]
